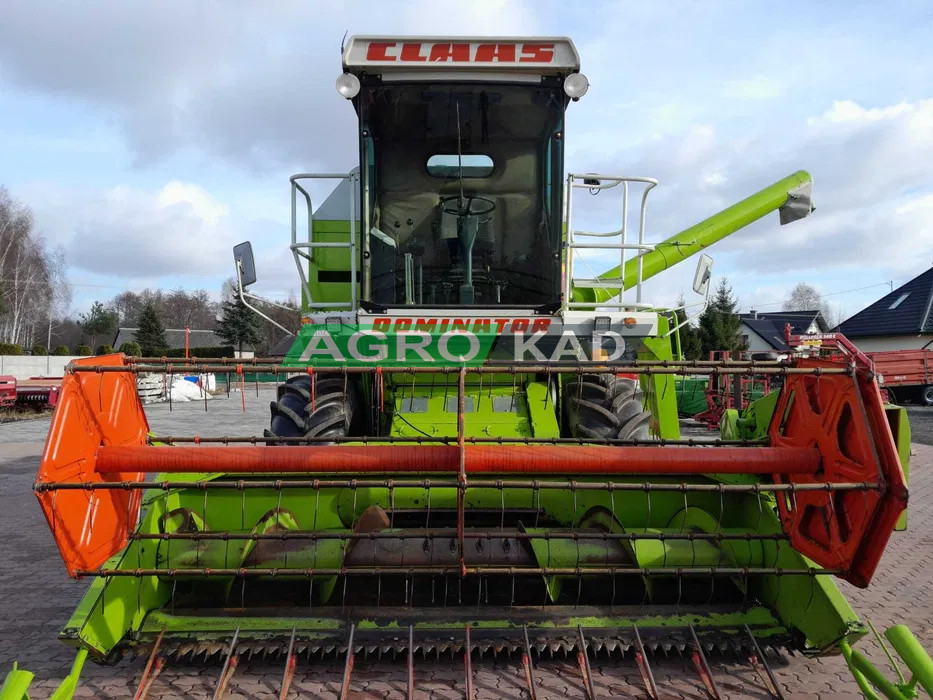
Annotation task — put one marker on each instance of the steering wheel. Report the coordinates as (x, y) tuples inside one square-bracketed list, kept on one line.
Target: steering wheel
[(487, 206)]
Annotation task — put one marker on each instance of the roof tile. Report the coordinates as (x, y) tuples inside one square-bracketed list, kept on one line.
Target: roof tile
[(911, 315)]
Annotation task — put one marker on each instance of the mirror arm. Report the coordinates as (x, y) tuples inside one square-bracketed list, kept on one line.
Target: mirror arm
[(703, 304), (243, 294)]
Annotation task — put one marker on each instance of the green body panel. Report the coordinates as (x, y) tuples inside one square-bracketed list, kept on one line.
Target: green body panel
[(900, 429), (437, 410), (660, 390), (682, 245), (752, 423), (756, 616), (691, 395), (118, 608), (330, 260)]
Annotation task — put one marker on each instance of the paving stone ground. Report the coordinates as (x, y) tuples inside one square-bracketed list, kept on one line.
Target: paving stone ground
[(36, 598)]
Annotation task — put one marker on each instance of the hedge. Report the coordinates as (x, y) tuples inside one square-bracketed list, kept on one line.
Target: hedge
[(61, 350), (131, 348), (38, 350), (205, 352), (83, 350), (11, 349), (104, 349)]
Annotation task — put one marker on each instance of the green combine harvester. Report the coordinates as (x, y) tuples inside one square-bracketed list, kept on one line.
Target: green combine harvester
[(474, 446)]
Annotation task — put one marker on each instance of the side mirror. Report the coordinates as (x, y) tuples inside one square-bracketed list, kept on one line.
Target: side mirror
[(245, 265), (703, 274)]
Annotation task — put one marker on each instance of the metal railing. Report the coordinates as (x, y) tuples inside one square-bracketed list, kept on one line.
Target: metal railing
[(303, 251), (594, 183)]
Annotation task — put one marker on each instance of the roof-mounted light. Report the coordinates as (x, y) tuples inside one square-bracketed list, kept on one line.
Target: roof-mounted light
[(348, 85), (576, 85)]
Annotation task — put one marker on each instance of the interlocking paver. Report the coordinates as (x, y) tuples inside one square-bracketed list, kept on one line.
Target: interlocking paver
[(36, 598)]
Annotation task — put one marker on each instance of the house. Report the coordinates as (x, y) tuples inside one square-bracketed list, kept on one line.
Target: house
[(900, 320), (764, 332), (174, 337)]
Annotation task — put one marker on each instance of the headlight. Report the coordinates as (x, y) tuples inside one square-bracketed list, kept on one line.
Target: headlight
[(348, 85), (576, 85)]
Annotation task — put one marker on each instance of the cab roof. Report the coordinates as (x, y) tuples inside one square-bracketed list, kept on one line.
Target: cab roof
[(431, 57)]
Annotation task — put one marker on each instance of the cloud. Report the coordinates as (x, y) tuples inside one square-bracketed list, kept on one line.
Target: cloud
[(249, 82), (179, 234), (759, 87), (847, 111), (196, 198), (177, 230), (211, 93), (870, 166)]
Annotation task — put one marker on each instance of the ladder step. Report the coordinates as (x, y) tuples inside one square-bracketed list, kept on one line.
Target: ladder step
[(597, 283)]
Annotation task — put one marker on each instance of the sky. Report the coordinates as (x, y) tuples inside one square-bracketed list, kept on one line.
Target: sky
[(149, 138)]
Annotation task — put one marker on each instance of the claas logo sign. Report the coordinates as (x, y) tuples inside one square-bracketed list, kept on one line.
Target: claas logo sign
[(457, 52)]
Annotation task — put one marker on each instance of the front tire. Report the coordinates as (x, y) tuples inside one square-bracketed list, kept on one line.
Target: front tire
[(331, 414), (603, 406)]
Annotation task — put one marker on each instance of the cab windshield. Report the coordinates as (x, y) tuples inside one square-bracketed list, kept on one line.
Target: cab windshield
[(463, 191)]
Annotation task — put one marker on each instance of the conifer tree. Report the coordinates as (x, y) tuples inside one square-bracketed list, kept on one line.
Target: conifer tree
[(690, 345), (150, 333), (238, 326), (720, 324)]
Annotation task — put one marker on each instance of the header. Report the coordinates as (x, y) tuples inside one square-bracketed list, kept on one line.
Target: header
[(525, 54)]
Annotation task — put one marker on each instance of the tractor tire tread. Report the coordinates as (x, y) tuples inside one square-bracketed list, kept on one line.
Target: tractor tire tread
[(604, 406)]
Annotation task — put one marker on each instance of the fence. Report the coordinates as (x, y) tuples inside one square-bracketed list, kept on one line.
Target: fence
[(26, 366)]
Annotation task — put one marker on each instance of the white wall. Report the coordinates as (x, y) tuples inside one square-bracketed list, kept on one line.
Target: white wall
[(755, 341), (26, 366), (893, 342)]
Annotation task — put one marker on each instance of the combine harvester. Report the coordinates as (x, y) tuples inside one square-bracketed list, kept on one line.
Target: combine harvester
[(474, 449)]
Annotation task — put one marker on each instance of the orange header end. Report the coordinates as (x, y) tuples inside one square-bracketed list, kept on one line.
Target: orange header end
[(95, 409)]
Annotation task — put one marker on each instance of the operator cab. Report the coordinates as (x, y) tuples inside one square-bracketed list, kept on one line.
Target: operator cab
[(461, 153)]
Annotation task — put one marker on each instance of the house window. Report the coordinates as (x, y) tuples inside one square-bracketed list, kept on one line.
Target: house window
[(897, 302)]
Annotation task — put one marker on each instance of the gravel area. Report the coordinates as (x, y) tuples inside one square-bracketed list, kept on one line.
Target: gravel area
[(921, 424), (36, 598)]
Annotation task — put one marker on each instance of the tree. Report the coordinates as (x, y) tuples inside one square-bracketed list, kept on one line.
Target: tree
[(131, 348), (690, 345), (98, 321), (238, 326), (805, 297), (33, 286), (66, 331), (177, 308), (285, 312), (150, 333), (720, 324)]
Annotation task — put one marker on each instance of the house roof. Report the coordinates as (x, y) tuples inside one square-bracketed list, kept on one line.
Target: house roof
[(770, 325), (905, 311), (768, 331), (175, 337), (281, 348)]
